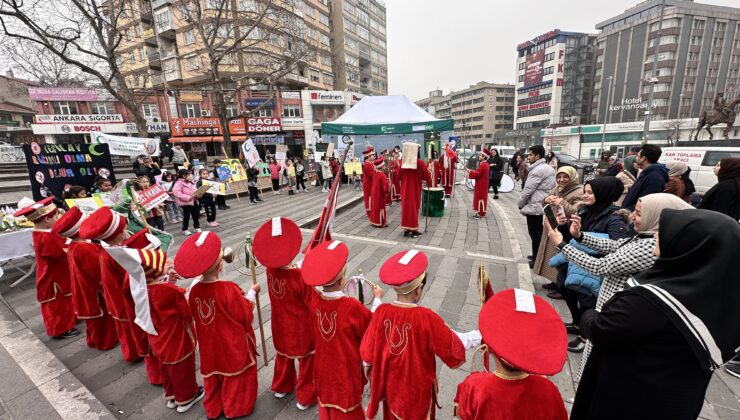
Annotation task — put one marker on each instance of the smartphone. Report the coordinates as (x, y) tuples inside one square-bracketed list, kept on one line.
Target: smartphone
[(550, 215)]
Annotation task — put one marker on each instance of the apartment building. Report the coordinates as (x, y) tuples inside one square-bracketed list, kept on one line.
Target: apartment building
[(478, 111), (698, 55), (359, 46)]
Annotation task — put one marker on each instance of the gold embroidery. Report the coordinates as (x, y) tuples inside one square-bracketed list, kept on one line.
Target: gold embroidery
[(398, 339), (206, 310), (276, 286), (327, 333)]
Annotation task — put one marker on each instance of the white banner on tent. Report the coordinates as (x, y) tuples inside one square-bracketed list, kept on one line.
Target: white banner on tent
[(128, 146)]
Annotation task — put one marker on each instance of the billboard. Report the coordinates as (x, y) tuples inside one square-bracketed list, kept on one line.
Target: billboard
[(205, 127), (61, 94), (534, 67)]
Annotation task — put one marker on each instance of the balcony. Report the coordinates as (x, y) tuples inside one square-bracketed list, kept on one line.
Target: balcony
[(156, 4), (146, 13), (150, 38), (165, 28), (296, 79), (155, 63), (171, 69)]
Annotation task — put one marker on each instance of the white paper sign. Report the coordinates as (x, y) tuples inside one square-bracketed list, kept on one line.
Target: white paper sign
[(128, 146), (524, 301)]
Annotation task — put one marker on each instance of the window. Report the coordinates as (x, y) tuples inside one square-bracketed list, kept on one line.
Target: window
[(102, 108), (352, 76), (328, 79), (667, 23), (685, 101), (665, 40), (150, 110), (695, 40), (248, 6), (231, 110), (349, 7), (137, 31), (324, 19), (548, 70), (142, 53), (720, 27), (362, 17), (708, 87), (351, 60), (688, 87), (64, 108), (549, 57), (310, 11), (697, 24), (350, 26), (291, 110), (325, 59), (714, 57), (350, 42), (132, 57), (189, 37), (190, 110), (217, 4), (691, 71), (717, 42), (374, 24), (693, 56), (324, 39), (363, 33), (668, 55), (521, 65), (264, 112)]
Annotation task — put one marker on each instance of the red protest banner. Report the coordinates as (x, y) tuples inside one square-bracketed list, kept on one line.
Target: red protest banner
[(152, 197)]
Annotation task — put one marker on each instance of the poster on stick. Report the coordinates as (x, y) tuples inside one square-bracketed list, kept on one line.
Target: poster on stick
[(152, 197), (52, 166), (128, 146), (217, 188)]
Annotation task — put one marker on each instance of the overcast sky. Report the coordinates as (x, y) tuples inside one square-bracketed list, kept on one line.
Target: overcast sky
[(451, 45)]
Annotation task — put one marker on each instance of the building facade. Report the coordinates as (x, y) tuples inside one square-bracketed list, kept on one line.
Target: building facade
[(358, 29), (16, 110), (478, 111), (555, 73), (698, 55)]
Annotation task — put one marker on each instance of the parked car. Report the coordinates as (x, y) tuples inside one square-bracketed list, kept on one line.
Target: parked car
[(584, 168), (701, 160)]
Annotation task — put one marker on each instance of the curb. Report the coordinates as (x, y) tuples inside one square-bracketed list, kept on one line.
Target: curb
[(341, 207)]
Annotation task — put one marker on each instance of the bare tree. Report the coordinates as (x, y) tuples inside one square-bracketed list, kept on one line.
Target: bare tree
[(37, 63), (84, 35), (244, 44), (673, 131)]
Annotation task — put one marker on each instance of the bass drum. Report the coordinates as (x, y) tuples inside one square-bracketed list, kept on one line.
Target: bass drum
[(507, 184)]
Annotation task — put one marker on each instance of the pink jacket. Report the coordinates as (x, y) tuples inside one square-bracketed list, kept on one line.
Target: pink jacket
[(183, 191)]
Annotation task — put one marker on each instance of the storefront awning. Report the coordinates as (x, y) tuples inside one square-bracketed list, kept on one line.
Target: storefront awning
[(204, 139)]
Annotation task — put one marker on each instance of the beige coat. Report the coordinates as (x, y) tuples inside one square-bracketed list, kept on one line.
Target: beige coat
[(628, 180)]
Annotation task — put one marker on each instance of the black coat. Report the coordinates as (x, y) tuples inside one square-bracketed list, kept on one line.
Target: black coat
[(723, 197), (641, 366), (610, 222)]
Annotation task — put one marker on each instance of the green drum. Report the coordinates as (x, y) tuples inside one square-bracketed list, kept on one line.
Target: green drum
[(436, 199)]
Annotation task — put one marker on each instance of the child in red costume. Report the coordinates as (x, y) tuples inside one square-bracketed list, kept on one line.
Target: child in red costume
[(53, 284), (338, 324), (368, 170), (379, 190), (275, 245), (401, 343), (480, 175), (527, 339), (87, 290), (223, 322)]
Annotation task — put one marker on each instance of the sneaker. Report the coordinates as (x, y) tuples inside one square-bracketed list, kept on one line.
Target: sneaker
[(187, 232), (415, 234), (733, 368), (74, 332), (198, 230), (301, 406), (213, 224), (280, 395), (577, 345), (571, 329), (495, 197), (171, 404), (198, 396), (555, 295), (550, 286)]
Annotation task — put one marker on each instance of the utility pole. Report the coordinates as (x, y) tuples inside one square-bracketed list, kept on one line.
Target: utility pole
[(653, 79), (608, 104)]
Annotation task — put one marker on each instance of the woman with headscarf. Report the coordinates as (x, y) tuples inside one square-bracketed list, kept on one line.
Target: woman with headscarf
[(628, 175), (675, 184), (622, 258), (656, 344), (567, 195), (599, 215), (724, 197)]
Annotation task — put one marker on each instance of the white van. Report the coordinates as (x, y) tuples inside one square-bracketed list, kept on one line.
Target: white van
[(701, 160)]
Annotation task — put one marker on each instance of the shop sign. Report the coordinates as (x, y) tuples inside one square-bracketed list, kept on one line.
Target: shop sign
[(255, 102), (326, 97), (92, 119), (264, 125), (292, 123), (204, 127), (61, 94)]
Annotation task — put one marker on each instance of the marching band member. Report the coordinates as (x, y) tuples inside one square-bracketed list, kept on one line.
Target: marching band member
[(368, 170), (527, 339), (447, 163), (480, 175), (223, 323), (53, 284), (379, 192), (338, 324), (88, 302), (275, 245)]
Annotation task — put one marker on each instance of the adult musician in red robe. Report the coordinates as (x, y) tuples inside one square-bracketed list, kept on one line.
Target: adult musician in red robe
[(87, 290), (435, 170), (53, 284), (379, 190), (338, 326), (413, 171), (368, 170), (480, 194), (276, 244), (223, 323), (402, 342), (448, 162), (528, 341)]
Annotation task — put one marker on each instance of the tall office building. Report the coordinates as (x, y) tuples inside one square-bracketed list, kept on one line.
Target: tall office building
[(698, 55), (554, 79), (478, 111), (359, 46)]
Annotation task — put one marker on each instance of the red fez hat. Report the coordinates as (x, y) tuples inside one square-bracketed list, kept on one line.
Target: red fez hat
[(524, 331), (368, 151), (324, 264), (486, 152), (68, 226), (277, 242), (379, 162), (404, 271), (103, 224), (198, 254), (142, 239), (153, 261), (38, 210)]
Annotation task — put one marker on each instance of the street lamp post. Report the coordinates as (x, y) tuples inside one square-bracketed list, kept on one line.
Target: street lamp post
[(607, 118), (653, 80)]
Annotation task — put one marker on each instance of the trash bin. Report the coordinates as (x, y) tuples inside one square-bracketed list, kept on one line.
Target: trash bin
[(436, 201)]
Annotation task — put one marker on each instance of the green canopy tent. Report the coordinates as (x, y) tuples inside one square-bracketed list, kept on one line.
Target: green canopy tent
[(383, 115)]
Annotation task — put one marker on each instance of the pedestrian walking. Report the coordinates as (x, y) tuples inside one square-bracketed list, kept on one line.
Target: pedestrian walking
[(521, 173), (652, 178), (675, 324), (603, 164), (300, 173), (496, 166), (275, 176), (184, 191), (178, 157), (326, 173), (540, 179), (207, 201)]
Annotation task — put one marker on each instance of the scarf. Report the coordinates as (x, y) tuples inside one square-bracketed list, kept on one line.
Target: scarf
[(723, 196), (695, 284), (651, 207), (629, 165), (729, 168), (607, 190), (572, 185)]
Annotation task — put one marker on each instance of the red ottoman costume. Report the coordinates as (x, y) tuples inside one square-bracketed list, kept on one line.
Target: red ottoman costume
[(480, 195), (379, 193), (447, 163), (412, 173)]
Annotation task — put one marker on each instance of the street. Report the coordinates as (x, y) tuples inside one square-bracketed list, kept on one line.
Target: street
[(455, 243)]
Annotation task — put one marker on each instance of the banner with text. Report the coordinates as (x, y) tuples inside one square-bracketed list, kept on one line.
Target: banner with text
[(152, 197), (128, 146)]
